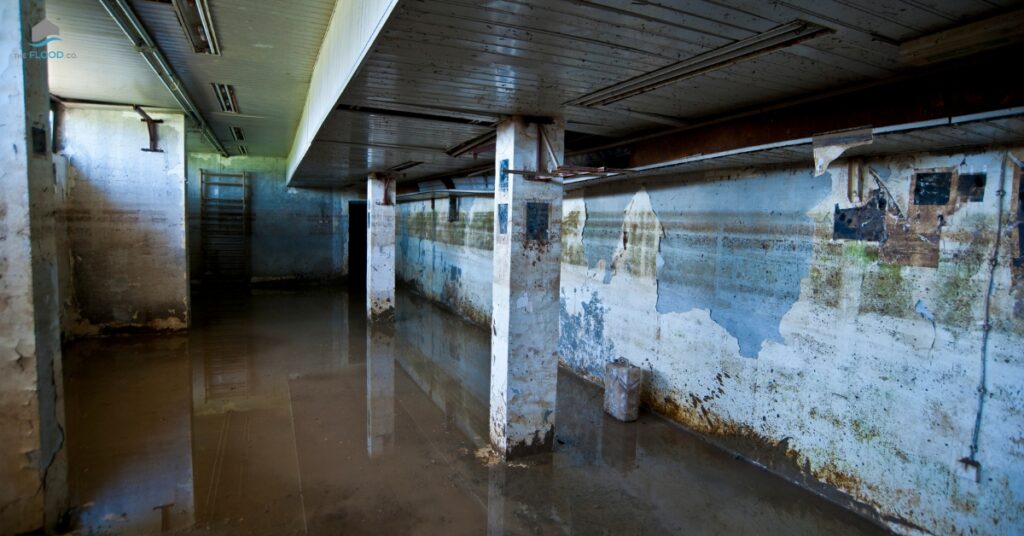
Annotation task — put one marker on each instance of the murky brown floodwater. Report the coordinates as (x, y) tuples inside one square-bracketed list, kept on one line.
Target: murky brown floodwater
[(280, 414)]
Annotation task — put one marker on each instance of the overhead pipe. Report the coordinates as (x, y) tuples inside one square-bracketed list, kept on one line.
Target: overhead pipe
[(129, 23)]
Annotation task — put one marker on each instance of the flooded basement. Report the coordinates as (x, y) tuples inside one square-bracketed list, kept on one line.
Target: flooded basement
[(279, 413)]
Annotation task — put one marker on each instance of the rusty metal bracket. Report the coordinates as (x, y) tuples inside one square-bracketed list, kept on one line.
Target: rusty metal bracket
[(151, 127), (543, 137)]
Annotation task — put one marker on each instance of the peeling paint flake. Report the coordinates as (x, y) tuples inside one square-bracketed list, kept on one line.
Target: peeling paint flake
[(830, 146)]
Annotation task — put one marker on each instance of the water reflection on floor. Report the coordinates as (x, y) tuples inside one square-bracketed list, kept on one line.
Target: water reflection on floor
[(279, 413)]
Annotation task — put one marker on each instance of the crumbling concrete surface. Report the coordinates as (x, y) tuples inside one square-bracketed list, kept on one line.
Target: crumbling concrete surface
[(33, 483), (850, 364), (21, 499), (774, 312)]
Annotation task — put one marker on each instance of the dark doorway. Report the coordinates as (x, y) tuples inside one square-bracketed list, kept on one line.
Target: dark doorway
[(357, 245)]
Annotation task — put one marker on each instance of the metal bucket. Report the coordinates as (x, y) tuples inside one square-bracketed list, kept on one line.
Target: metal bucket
[(622, 383)]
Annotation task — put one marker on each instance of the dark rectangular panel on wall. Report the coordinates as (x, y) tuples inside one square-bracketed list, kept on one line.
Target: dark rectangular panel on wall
[(537, 221), (970, 187), (932, 188)]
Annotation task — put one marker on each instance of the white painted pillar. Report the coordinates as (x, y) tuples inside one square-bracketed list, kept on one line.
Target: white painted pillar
[(527, 257), (33, 462), (380, 245)]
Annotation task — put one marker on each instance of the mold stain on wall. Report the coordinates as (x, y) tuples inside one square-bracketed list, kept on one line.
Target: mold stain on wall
[(582, 342), (573, 222)]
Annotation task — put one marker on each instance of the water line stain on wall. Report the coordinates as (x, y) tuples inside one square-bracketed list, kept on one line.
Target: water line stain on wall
[(739, 256)]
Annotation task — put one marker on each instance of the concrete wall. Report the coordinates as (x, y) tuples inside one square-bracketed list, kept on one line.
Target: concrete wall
[(33, 462), (449, 262), (295, 233), (125, 214), (849, 366)]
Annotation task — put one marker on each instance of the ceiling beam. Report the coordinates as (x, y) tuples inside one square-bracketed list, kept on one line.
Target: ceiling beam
[(350, 35), (129, 23), (427, 114), (959, 89)]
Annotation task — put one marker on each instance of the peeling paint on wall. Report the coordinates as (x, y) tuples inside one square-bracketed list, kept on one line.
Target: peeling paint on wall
[(603, 230), (639, 248), (573, 221), (866, 380), (831, 396), (738, 254), (582, 341), (448, 261)]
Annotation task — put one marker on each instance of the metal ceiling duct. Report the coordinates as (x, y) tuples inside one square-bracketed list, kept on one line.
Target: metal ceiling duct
[(743, 50), (129, 23)]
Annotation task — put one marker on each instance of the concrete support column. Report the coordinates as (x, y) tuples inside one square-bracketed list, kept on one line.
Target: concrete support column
[(527, 263), (380, 246), (33, 474)]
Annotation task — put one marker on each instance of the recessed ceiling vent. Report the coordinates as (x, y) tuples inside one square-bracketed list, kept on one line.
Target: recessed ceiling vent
[(242, 150), (226, 97), (194, 17), (238, 134), (743, 50)]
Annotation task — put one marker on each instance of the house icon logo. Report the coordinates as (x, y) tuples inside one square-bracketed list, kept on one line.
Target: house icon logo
[(44, 33)]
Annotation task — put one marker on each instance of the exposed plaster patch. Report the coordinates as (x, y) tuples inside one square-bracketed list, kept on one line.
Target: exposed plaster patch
[(638, 251)]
